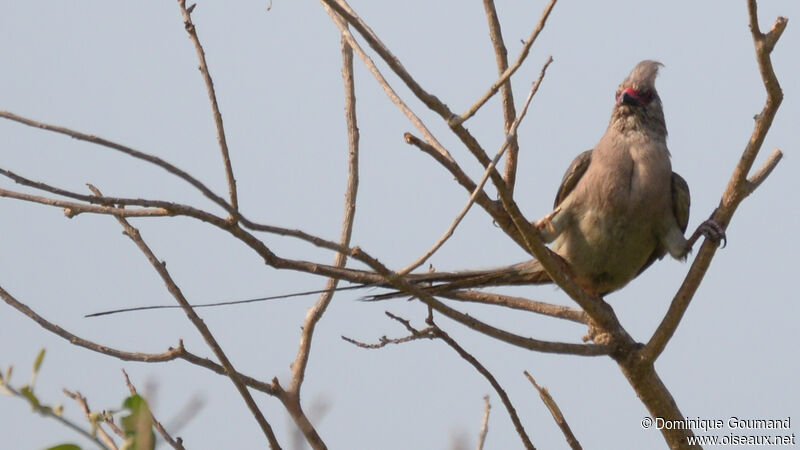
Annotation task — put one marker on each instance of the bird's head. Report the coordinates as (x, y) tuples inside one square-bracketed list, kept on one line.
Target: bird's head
[(639, 88), (637, 97)]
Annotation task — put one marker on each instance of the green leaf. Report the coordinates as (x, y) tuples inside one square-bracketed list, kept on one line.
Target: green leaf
[(65, 447), (27, 392), (38, 361), (139, 424)]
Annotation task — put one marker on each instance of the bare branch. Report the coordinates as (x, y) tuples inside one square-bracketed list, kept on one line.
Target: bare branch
[(165, 208), (403, 284), (757, 178), (212, 97), (346, 12), (8, 389), (72, 209), (123, 149), (509, 112), (176, 444), (258, 385), (84, 405), (519, 303), (332, 7), (384, 341), (509, 142), (108, 419), (292, 397), (510, 71), (441, 334), (316, 312), (434, 332), (556, 412), (492, 207), (343, 9), (173, 289), (738, 187), (169, 355), (414, 335), (432, 102)]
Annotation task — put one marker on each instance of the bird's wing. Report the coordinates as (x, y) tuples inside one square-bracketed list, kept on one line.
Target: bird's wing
[(680, 208), (573, 175), (680, 201)]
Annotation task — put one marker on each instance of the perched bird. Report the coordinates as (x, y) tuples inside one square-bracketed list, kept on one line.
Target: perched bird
[(619, 208)]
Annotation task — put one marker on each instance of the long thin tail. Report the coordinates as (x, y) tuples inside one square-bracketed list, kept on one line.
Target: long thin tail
[(528, 272)]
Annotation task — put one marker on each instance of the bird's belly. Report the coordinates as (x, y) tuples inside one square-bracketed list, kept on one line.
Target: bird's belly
[(607, 250)]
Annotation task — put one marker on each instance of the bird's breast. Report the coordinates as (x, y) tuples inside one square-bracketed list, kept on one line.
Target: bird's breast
[(625, 196)]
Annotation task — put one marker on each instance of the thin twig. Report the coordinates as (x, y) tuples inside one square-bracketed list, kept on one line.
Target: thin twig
[(179, 209), (757, 178), (212, 97), (108, 419), (346, 12), (50, 413), (510, 71), (292, 397), (494, 208), (152, 159), (171, 354), (738, 187), (519, 303), (383, 341), (316, 312), (556, 412), (506, 92), (402, 283), (509, 142), (171, 207), (432, 102), (512, 412), (434, 332), (331, 8), (72, 209), (84, 405), (173, 289), (176, 444)]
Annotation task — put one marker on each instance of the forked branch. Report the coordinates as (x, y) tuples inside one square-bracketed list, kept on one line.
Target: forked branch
[(739, 187), (212, 97)]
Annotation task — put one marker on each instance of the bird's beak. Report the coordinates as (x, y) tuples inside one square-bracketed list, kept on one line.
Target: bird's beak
[(630, 97)]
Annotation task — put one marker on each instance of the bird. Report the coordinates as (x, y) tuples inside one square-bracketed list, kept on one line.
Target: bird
[(619, 207)]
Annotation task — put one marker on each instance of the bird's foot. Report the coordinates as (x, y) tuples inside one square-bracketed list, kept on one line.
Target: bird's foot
[(711, 230), (545, 226)]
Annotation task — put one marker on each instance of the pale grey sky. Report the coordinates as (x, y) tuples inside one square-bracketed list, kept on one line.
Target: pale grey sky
[(127, 71)]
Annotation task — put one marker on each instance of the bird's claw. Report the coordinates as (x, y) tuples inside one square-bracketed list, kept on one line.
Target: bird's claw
[(713, 231), (545, 226)]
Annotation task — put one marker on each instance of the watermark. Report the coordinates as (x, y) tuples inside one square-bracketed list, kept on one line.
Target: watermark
[(733, 430)]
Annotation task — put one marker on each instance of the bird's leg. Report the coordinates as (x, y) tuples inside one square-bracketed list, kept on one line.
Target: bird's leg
[(712, 231), (550, 225)]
